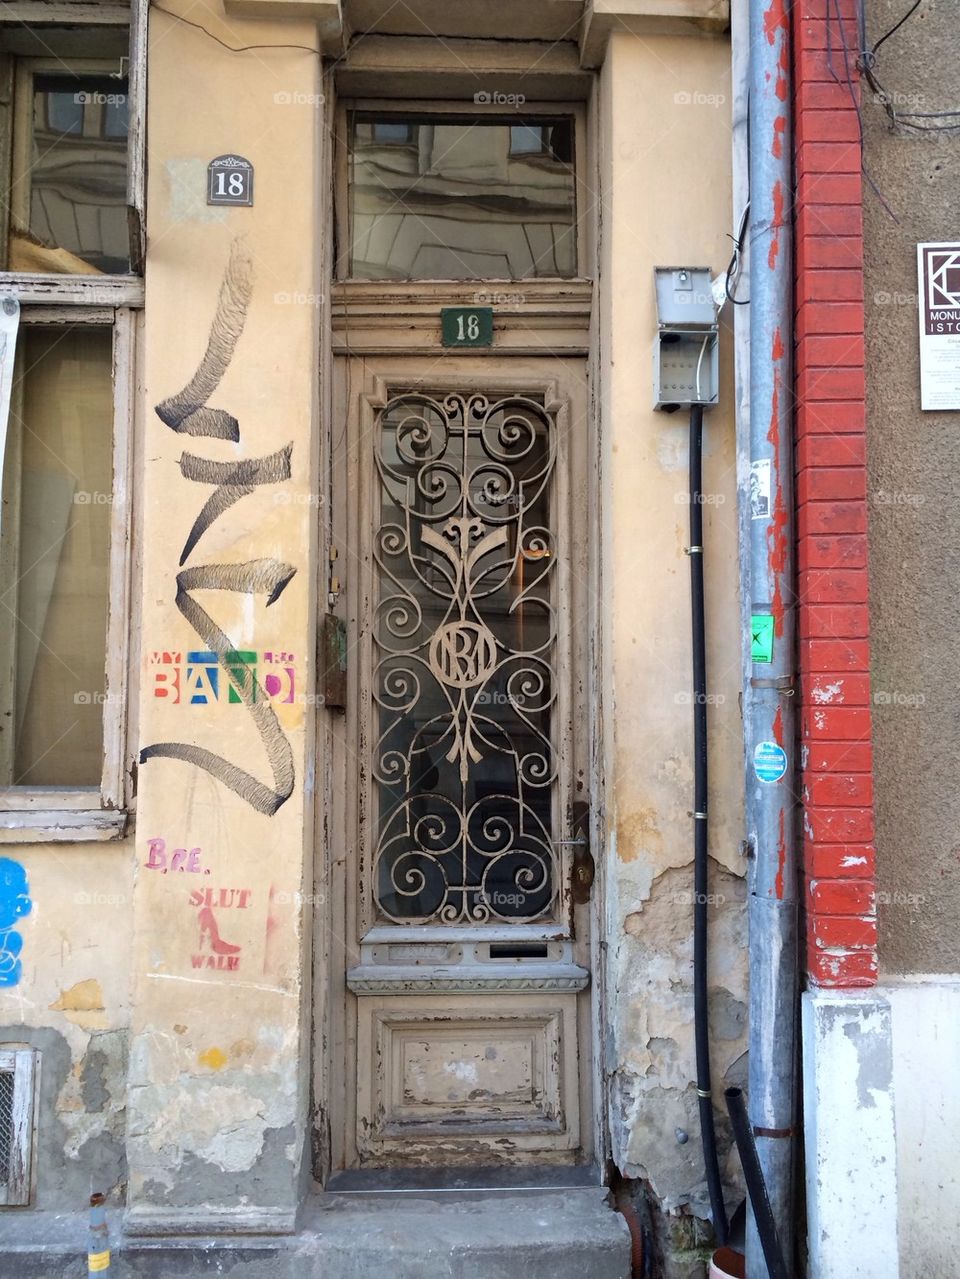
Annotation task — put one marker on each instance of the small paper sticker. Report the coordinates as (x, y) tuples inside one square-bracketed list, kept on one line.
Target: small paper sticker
[(769, 761), (760, 489)]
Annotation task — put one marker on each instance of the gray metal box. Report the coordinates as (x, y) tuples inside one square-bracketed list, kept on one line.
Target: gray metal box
[(686, 369), (684, 297)]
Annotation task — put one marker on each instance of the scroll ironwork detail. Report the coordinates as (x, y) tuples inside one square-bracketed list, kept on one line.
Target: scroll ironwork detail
[(464, 652)]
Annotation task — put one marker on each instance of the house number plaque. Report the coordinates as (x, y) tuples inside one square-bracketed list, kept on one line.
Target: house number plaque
[(230, 180)]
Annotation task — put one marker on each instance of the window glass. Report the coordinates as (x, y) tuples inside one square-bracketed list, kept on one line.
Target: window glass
[(461, 198), (78, 171), (57, 494)]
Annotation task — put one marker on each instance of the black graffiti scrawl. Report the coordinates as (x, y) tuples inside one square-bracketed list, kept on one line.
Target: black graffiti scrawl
[(188, 414)]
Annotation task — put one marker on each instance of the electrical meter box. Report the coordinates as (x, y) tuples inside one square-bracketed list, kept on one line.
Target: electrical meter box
[(686, 366)]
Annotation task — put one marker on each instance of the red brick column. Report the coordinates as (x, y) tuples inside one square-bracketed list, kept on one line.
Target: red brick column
[(834, 624)]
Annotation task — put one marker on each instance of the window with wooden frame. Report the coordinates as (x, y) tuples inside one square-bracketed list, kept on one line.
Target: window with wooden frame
[(71, 157)]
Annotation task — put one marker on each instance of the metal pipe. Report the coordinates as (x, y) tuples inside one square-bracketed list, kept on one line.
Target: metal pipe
[(768, 711), (701, 881), (769, 722), (756, 1188)]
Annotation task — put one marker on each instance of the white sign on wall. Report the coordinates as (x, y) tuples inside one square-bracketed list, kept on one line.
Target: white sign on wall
[(938, 273)]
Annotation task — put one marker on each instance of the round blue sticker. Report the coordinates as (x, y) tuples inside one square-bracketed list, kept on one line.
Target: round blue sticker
[(769, 761)]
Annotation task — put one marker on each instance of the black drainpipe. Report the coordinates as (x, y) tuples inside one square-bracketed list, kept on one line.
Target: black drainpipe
[(700, 867)]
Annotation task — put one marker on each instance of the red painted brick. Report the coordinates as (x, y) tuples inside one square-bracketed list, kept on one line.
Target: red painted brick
[(840, 861), (833, 285), (818, 95), (832, 517), (849, 932), (819, 483), (841, 897), (830, 384), (834, 621), (835, 125), (833, 586), (839, 825), (834, 656), (831, 352), (836, 688), (828, 157), (842, 969), (847, 757), (823, 33), (840, 790), (810, 64), (816, 251), (832, 450), (816, 319), (829, 188), (829, 219), (837, 416), (835, 724)]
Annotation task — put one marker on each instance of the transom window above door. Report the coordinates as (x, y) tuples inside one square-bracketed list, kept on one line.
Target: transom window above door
[(446, 196)]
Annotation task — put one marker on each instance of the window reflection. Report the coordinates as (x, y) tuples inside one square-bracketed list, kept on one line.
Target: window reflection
[(78, 177), (450, 197)]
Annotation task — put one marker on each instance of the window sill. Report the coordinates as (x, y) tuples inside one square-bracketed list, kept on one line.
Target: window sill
[(77, 290), (62, 826)]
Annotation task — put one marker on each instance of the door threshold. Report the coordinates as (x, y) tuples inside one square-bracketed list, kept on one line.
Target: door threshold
[(381, 1181)]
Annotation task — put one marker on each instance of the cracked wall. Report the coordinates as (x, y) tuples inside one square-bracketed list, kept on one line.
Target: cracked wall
[(656, 135), (72, 1005)]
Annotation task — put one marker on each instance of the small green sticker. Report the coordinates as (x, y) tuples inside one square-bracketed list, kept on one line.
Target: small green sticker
[(761, 637), (466, 325)]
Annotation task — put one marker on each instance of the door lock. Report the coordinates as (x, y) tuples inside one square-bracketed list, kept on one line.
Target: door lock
[(582, 867)]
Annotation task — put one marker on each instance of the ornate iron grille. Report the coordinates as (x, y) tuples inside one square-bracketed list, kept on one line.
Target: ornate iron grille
[(464, 636)]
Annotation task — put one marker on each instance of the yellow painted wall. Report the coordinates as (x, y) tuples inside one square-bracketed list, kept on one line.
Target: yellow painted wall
[(664, 125)]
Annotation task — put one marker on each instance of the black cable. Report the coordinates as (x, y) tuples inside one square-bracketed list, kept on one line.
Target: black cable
[(234, 48), (756, 1186), (733, 266), (893, 30), (866, 63), (701, 880), (854, 98)]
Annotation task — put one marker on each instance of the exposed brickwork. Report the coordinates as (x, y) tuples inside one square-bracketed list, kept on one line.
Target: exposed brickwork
[(834, 624)]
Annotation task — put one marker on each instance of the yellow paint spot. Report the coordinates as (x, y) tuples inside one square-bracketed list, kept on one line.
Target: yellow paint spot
[(214, 1058), (84, 997), (638, 833), (82, 1004)]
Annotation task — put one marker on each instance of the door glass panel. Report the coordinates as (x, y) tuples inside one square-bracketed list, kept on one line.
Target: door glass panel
[(465, 632), (461, 198)]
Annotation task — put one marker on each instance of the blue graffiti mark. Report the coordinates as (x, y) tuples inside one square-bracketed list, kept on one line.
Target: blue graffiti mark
[(14, 904)]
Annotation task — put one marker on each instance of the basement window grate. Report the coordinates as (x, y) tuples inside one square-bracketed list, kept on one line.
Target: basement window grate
[(7, 1078), (17, 1100)]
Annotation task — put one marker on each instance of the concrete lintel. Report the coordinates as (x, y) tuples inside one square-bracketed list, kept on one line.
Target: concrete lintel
[(647, 18), (849, 1134), (327, 14)]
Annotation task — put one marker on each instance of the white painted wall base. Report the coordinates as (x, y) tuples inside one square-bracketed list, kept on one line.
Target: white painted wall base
[(926, 1071), (849, 1135)]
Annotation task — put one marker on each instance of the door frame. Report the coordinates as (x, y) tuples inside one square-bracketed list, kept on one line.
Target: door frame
[(371, 318)]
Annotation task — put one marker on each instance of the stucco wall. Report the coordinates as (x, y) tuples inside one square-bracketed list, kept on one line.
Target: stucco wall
[(665, 145), (914, 528), (220, 1035), (71, 1001)]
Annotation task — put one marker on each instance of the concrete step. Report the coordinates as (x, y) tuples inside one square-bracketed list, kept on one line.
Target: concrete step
[(555, 1234)]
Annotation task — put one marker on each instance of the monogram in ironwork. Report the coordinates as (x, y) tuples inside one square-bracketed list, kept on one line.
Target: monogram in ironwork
[(464, 636)]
